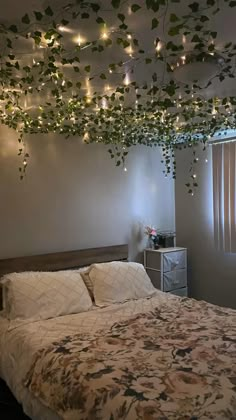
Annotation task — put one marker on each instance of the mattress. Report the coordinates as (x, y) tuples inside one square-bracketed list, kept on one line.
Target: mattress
[(20, 341)]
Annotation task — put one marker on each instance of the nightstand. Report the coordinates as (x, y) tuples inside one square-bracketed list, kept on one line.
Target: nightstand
[(167, 269)]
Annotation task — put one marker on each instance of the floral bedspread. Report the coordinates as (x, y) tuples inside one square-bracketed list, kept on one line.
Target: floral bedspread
[(176, 362)]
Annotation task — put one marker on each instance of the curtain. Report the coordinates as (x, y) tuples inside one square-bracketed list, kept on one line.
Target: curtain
[(224, 195)]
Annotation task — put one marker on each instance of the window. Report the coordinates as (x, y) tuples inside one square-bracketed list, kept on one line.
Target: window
[(224, 195)]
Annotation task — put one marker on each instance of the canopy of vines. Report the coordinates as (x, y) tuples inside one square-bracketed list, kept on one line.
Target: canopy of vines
[(85, 69)]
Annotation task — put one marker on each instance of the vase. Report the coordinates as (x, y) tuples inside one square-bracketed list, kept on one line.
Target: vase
[(150, 243)]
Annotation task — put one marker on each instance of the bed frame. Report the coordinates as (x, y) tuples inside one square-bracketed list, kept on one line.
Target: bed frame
[(64, 260)]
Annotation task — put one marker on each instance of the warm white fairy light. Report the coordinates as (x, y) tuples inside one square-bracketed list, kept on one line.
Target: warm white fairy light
[(104, 34), (129, 37), (79, 40), (104, 103), (127, 79), (158, 46), (125, 169), (214, 111), (194, 176), (130, 51), (62, 28)]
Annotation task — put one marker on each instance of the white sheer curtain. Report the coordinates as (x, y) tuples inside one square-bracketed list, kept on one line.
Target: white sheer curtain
[(224, 195)]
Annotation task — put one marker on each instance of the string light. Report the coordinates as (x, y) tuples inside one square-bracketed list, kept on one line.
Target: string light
[(127, 79), (79, 40), (104, 34), (125, 169), (158, 46), (86, 136)]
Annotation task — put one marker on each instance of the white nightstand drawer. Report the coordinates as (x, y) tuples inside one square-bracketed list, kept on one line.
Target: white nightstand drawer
[(153, 259), (155, 277), (174, 280), (174, 260), (180, 292)]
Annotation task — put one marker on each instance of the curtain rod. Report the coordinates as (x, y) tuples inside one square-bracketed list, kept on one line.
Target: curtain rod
[(219, 141)]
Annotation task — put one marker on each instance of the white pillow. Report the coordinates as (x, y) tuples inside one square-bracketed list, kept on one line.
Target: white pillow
[(119, 281), (43, 295)]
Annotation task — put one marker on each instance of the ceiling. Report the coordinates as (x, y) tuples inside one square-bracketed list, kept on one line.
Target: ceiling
[(223, 23)]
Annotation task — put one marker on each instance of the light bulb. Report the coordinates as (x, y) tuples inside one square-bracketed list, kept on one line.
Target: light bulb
[(104, 35), (158, 46)]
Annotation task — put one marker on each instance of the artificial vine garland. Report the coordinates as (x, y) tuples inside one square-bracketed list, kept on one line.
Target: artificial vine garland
[(112, 104)]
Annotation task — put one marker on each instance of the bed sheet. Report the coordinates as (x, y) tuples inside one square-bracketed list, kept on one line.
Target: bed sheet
[(20, 340)]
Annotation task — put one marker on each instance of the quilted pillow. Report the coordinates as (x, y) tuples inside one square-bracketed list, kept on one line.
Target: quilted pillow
[(44, 295), (119, 281)]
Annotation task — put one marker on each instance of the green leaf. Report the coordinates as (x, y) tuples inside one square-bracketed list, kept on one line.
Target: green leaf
[(100, 20), (195, 38), (204, 18), (87, 69), (64, 22), (48, 11), (95, 7), (194, 7), (174, 30), (38, 15), (155, 23), (148, 60), (121, 17), (135, 8), (26, 19), (173, 17), (232, 3), (84, 15), (115, 4), (13, 28), (103, 76)]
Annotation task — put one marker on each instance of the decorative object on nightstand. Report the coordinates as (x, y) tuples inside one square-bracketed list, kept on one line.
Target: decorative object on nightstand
[(151, 232), (166, 239), (167, 269)]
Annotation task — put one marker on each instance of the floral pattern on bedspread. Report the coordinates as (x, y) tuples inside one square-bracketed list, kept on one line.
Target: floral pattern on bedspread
[(176, 362)]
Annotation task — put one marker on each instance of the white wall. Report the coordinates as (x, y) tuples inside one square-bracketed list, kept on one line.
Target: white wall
[(74, 197), (212, 274)]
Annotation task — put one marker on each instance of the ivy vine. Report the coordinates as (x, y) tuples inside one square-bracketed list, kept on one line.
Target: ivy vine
[(109, 103)]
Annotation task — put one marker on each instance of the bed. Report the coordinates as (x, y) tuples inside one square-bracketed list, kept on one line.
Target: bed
[(153, 357)]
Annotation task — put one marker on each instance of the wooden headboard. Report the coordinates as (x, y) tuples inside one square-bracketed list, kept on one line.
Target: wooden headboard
[(64, 260)]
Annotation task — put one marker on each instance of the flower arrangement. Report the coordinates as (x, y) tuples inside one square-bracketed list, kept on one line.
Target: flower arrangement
[(151, 232)]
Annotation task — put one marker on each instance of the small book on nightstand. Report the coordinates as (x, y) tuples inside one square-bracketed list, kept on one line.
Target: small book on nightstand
[(167, 269)]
